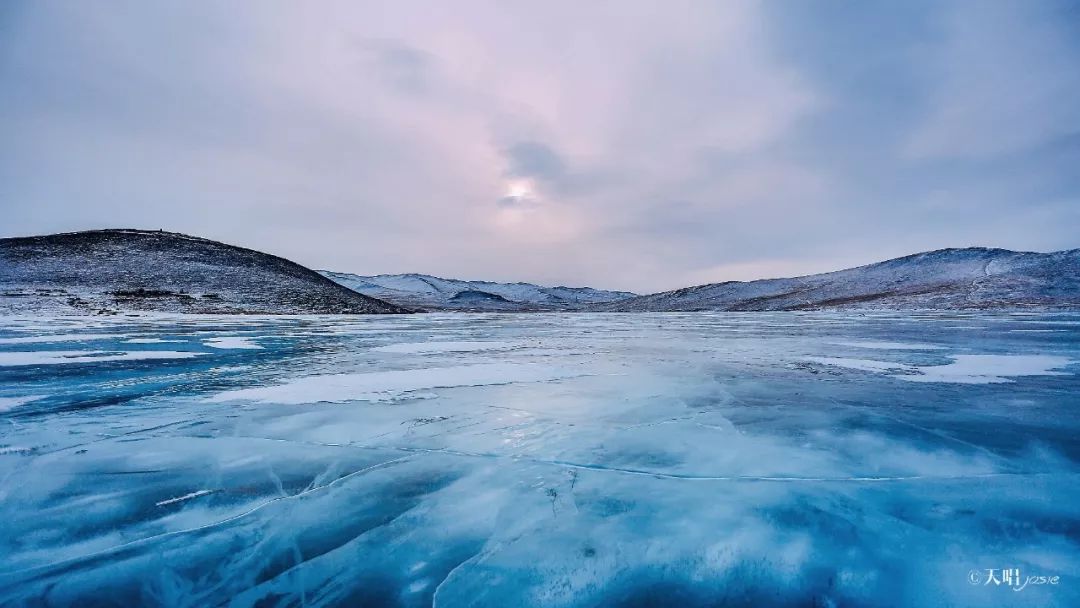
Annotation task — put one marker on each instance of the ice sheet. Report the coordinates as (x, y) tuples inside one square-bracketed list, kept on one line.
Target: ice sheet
[(563, 460)]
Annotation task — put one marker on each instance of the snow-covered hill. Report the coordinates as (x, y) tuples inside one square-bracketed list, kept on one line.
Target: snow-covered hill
[(117, 270), (971, 278), (434, 293)]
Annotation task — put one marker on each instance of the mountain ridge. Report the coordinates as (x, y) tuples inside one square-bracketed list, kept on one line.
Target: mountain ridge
[(430, 292), (120, 269)]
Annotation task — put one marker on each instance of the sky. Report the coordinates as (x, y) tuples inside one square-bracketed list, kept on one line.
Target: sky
[(624, 144)]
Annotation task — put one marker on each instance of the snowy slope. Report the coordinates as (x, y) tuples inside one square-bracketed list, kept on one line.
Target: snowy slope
[(971, 278), (117, 270), (429, 292)]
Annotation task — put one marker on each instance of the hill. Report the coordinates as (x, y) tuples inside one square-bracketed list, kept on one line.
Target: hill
[(118, 270), (970, 278)]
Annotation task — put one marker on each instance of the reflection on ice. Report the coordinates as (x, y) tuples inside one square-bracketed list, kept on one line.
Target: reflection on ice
[(539, 460)]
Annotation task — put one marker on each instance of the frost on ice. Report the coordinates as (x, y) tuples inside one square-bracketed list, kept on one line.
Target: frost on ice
[(540, 460)]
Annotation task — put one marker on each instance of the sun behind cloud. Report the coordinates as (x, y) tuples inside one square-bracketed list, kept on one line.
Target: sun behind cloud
[(519, 189)]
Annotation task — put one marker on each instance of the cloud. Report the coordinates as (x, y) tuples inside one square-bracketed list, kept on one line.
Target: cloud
[(1005, 81), (402, 67), (638, 145), (534, 159)]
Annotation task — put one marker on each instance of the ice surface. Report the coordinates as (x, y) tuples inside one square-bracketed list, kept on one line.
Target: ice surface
[(385, 385), (684, 459)]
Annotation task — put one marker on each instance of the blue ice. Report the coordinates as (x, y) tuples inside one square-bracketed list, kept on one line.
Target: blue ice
[(700, 459)]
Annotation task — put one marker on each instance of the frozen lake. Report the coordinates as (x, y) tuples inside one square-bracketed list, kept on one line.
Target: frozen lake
[(700, 459)]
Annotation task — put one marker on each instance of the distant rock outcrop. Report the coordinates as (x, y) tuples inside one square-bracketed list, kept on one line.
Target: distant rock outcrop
[(949, 279), (120, 270)]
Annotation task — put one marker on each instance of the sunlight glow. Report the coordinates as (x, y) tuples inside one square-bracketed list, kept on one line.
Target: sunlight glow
[(518, 189)]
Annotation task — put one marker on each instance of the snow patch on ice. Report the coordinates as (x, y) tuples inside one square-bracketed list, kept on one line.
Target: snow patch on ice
[(866, 365), (57, 338), (890, 345), (387, 385), (964, 369), (151, 341), (232, 342), (988, 369), (56, 357), (426, 348), (7, 403)]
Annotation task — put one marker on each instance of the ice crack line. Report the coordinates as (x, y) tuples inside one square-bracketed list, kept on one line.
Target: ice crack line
[(221, 522), (683, 476), (693, 477)]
